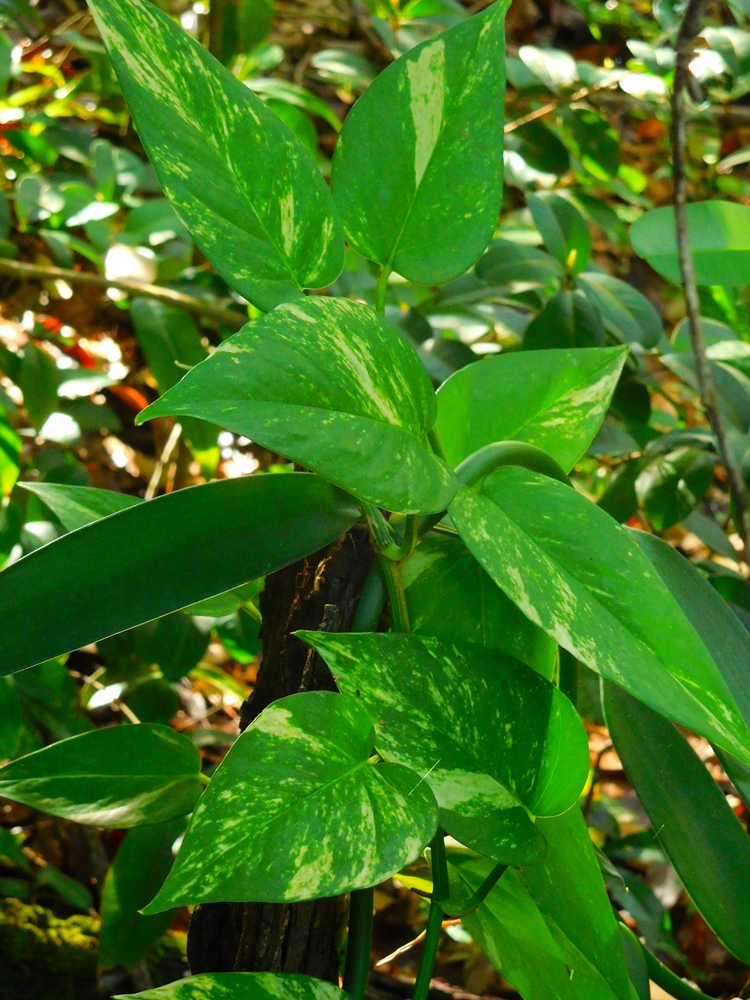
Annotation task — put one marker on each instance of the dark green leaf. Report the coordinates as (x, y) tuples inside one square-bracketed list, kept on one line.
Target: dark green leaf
[(244, 986), (592, 140), (506, 262), (38, 381), (212, 538), (567, 320), (75, 506), (672, 486), (418, 169), (73, 892), (330, 385), (540, 148), (626, 313), (564, 230), (579, 575), (250, 194), (555, 400), (122, 776), (301, 776)]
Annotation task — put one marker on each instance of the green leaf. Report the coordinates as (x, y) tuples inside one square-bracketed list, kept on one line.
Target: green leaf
[(484, 731), (212, 538), (703, 838), (418, 169), (122, 776), (70, 890), (592, 140), (244, 986), (526, 946), (141, 864), (301, 775), (450, 596), (75, 506), (568, 887), (555, 400), (10, 456), (568, 320), (332, 386), (580, 576), (293, 95), (250, 194), (672, 486), (626, 313), (38, 381), (719, 239), (540, 147), (565, 232), (255, 20), (506, 262), (553, 67)]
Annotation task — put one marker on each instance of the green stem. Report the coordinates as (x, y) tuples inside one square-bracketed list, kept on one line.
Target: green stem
[(380, 290), (440, 891), (493, 456), (396, 596), (482, 892), (357, 967), (669, 982)]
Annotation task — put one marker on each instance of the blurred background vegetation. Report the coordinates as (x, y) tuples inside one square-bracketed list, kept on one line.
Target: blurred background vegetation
[(83, 350)]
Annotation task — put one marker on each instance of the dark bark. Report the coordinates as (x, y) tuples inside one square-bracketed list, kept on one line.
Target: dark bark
[(320, 592)]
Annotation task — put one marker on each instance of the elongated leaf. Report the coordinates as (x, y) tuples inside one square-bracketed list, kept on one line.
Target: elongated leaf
[(568, 320), (671, 487), (564, 230), (122, 776), (555, 400), (525, 945), (141, 864), (693, 821), (332, 386), (506, 262), (244, 986), (418, 169), (719, 240), (246, 188), (301, 776), (568, 887), (450, 596), (75, 506), (157, 557), (592, 140), (483, 729), (579, 575), (625, 312)]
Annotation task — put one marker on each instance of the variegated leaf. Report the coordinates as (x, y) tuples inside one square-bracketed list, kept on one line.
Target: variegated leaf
[(553, 399), (243, 184), (579, 575), (485, 731), (243, 986), (303, 776), (418, 169), (330, 385)]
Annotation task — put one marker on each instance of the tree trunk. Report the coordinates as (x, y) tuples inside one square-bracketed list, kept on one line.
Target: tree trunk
[(321, 593)]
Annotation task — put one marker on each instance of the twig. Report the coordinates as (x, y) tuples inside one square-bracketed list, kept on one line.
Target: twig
[(169, 447), (230, 317), (554, 105), (411, 944), (684, 46)]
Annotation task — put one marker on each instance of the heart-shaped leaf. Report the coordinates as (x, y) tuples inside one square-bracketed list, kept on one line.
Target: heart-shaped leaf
[(160, 556), (122, 776), (330, 385), (243, 184), (301, 776), (579, 575), (484, 730), (555, 400), (418, 168)]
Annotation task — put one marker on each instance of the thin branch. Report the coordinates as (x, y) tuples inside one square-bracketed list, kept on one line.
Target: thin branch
[(684, 47), (554, 105), (230, 317), (165, 456), (411, 944)]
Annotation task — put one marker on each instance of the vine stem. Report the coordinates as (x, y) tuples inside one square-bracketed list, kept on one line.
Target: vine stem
[(380, 290), (357, 966), (440, 892), (684, 47)]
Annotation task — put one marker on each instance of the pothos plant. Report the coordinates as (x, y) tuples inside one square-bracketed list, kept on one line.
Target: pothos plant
[(499, 577)]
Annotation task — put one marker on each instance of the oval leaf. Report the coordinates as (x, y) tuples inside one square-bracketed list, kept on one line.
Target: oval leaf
[(330, 385), (719, 241), (555, 400), (246, 188), (75, 506), (122, 776), (244, 986), (159, 556), (418, 169), (301, 776), (579, 575), (486, 732)]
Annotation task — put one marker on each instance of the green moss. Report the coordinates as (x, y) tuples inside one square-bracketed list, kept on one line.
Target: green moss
[(46, 957)]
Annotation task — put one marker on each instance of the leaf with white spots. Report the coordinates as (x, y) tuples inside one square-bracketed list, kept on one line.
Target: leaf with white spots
[(330, 385), (553, 399), (418, 168), (485, 731), (580, 576), (122, 776), (304, 777), (243, 986), (250, 194)]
